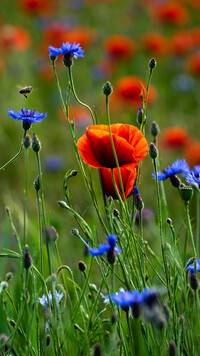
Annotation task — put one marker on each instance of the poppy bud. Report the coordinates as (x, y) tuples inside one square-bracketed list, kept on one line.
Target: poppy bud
[(186, 193), (172, 349), (169, 221), (152, 63), (68, 59), (62, 204), (153, 151), (27, 259), (154, 129), (27, 141), (36, 145), (139, 116), (3, 285), (175, 180), (36, 184), (82, 266), (107, 88), (194, 282)]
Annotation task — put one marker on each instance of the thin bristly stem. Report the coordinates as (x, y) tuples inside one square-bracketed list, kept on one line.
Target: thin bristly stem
[(190, 229), (197, 222), (40, 231), (25, 193), (15, 156), (76, 97), (41, 187)]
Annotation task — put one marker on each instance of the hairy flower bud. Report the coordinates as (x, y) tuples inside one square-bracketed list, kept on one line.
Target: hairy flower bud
[(154, 129), (153, 151), (36, 184), (82, 266), (139, 116), (152, 63), (36, 145), (27, 259), (27, 141), (194, 282), (107, 88), (186, 193)]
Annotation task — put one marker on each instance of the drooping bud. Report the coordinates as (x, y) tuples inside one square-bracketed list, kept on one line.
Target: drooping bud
[(36, 145), (27, 141), (154, 129), (9, 276), (116, 213), (27, 259), (50, 234), (107, 88), (139, 116), (153, 151), (152, 63), (169, 221), (75, 232), (82, 266), (186, 193)]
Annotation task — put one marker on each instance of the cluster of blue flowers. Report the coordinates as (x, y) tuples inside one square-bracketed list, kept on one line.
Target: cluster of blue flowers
[(179, 166), (125, 298)]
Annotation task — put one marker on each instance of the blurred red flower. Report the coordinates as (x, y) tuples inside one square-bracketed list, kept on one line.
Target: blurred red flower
[(192, 154), (36, 7), (119, 47), (193, 63), (128, 89), (155, 43), (14, 38), (176, 137), (80, 115), (96, 150), (172, 12), (183, 42)]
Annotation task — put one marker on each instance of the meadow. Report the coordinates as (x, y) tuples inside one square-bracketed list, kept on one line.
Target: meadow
[(100, 177)]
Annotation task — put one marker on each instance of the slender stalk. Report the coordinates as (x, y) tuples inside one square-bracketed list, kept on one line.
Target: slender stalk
[(41, 187), (40, 231), (76, 97), (25, 193), (197, 222), (141, 242), (190, 229), (15, 156)]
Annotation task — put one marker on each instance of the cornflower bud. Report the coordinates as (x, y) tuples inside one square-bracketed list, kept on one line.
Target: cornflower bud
[(27, 141), (194, 282), (138, 200), (74, 232), (3, 285), (36, 184), (186, 193), (50, 234), (154, 129), (27, 259), (153, 151), (152, 63), (97, 350), (175, 180), (172, 349), (113, 319), (139, 116), (82, 266), (36, 145), (107, 89)]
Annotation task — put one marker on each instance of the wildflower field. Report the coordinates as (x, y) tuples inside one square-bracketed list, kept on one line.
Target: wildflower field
[(100, 177)]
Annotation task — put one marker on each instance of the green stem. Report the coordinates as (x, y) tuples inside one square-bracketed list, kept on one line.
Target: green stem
[(190, 229), (26, 193), (15, 156), (76, 97), (41, 187), (141, 242), (40, 231), (197, 222)]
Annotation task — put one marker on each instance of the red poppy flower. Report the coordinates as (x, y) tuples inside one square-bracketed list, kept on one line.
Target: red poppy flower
[(155, 43), (192, 154), (128, 89), (36, 7), (14, 38), (128, 175), (96, 150), (176, 137), (193, 63), (183, 42), (119, 47), (172, 12)]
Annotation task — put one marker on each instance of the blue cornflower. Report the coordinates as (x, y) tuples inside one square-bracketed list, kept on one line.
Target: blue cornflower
[(67, 48), (194, 175), (191, 266), (44, 300), (109, 248), (179, 166), (126, 298), (27, 116)]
